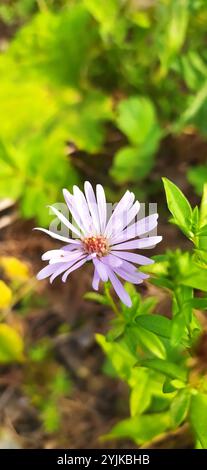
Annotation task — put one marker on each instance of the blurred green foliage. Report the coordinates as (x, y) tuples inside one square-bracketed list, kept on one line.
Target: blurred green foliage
[(44, 381), (74, 69), (197, 176), (13, 12)]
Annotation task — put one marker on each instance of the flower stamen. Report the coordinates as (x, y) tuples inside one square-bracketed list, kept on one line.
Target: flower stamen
[(97, 244)]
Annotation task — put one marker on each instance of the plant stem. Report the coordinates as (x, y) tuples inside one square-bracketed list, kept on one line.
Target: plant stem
[(110, 299)]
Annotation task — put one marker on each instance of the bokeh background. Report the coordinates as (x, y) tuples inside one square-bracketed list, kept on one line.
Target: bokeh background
[(114, 92)]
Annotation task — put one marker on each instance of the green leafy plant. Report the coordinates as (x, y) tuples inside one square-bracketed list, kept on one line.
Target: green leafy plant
[(159, 357)]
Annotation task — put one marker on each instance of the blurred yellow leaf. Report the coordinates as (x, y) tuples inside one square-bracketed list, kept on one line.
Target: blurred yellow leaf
[(14, 268), (5, 295), (11, 345)]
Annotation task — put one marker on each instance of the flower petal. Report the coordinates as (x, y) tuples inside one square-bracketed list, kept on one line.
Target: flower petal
[(70, 247), (128, 266), (50, 254), (67, 257), (138, 228), (101, 268), (65, 221), (135, 258), (111, 260), (74, 267), (129, 276), (102, 208), (82, 207), (140, 243), (119, 289), (124, 205), (124, 219), (92, 204), (69, 199), (47, 271), (58, 237), (63, 268), (96, 280)]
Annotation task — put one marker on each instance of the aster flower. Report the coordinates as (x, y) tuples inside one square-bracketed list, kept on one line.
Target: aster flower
[(107, 243)]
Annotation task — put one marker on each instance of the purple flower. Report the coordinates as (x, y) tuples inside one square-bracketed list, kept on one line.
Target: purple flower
[(108, 243)]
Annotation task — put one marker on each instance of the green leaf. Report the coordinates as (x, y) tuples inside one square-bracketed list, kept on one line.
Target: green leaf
[(108, 15), (116, 331), (51, 416), (178, 328), (175, 32), (160, 268), (141, 428), (40, 351), (203, 231), (95, 297), (197, 176), (178, 205), (136, 118), (148, 340), (119, 354), (199, 303), (9, 174), (202, 234), (11, 345), (170, 385), (147, 305), (196, 277), (196, 109), (56, 55), (140, 396), (203, 208), (167, 368), (195, 219), (131, 164), (6, 157), (198, 417), (180, 406), (201, 258), (60, 385), (162, 282), (157, 324), (182, 313)]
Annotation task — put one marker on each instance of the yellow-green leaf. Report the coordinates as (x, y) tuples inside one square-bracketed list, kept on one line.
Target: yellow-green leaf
[(198, 417), (11, 345), (5, 295), (14, 268), (178, 205)]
